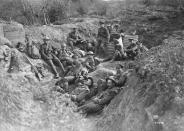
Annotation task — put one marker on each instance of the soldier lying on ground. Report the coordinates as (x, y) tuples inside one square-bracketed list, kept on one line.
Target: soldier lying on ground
[(78, 77), (98, 103), (86, 95), (49, 57)]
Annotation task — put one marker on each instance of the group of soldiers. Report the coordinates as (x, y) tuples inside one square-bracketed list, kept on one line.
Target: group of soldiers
[(78, 57), (91, 97), (113, 34)]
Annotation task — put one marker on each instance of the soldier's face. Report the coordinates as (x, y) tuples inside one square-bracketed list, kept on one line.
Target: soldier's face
[(65, 85), (109, 83), (21, 48)]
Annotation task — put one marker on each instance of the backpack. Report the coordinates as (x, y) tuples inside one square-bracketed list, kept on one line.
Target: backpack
[(33, 52)]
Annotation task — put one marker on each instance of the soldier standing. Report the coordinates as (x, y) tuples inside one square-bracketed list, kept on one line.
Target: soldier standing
[(102, 39)]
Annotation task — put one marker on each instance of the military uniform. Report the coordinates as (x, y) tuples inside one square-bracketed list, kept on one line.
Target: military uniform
[(100, 101), (102, 40), (33, 51), (90, 63), (84, 96), (46, 54), (132, 51), (73, 37)]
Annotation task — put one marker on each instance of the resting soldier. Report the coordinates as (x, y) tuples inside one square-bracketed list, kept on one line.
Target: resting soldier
[(86, 95), (46, 54), (119, 53), (73, 38), (120, 77), (32, 50), (132, 49), (98, 103), (90, 61), (65, 56)]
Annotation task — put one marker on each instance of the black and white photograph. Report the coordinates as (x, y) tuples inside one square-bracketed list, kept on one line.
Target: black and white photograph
[(91, 65)]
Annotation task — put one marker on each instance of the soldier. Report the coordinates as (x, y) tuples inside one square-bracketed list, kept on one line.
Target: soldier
[(102, 39), (115, 28), (90, 61), (109, 27), (32, 50), (73, 38), (46, 54), (62, 86), (119, 54), (21, 47), (86, 95), (98, 103), (64, 56), (120, 77), (132, 49)]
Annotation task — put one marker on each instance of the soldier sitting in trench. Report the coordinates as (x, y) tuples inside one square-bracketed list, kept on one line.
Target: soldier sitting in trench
[(132, 49), (49, 57), (119, 54), (101, 100), (90, 62), (65, 58), (73, 38)]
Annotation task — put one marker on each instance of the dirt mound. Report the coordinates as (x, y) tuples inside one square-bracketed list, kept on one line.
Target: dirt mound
[(158, 92), (58, 33)]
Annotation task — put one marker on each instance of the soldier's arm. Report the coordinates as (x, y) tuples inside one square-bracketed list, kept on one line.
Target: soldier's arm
[(99, 30), (29, 49), (106, 99), (43, 53), (122, 81), (107, 33), (88, 66)]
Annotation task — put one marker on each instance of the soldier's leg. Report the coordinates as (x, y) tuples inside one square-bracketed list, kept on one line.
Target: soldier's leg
[(71, 44), (91, 108), (60, 64), (50, 62), (98, 46)]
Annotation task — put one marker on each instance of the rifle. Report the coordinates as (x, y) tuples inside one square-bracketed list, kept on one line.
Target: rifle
[(33, 67)]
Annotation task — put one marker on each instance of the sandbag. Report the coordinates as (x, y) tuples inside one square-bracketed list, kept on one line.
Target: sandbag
[(14, 32), (33, 52)]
